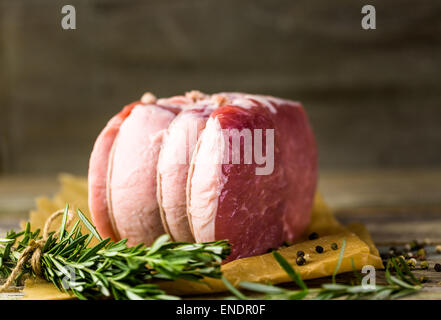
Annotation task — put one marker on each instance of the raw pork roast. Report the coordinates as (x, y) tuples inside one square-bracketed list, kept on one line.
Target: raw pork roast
[(174, 159), (202, 168)]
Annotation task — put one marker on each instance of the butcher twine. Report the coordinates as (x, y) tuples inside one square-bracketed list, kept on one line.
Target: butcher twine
[(33, 250)]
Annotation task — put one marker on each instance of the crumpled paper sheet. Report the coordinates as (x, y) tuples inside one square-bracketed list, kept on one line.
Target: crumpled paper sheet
[(263, 268)]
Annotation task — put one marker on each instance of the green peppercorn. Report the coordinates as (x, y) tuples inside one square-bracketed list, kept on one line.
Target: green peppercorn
[(300, 261), (411, 263), (437, 267), (313, 236), (414, 245), (334, 246), (300, 253), (424, 265), (421, 252), (319, 249)]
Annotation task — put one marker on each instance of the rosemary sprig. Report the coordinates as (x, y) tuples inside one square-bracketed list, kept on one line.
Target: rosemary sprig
[(111, 269), (401, 284)]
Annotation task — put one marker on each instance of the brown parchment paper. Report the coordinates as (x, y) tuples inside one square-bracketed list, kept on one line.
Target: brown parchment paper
[(263, 268)]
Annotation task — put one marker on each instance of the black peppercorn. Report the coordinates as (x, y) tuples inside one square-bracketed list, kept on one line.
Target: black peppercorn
[(300, 253), (334, 246), (437, 267), (313, 236), (319, 249), (384, 256), (393, 251), (300, 261)]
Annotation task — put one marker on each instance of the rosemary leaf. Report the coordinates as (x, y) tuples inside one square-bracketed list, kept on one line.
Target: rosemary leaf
[(340, 258), (108, 269), (289, 270)]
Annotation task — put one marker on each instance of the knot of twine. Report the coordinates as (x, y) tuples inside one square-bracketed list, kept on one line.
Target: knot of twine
[(33, 251)]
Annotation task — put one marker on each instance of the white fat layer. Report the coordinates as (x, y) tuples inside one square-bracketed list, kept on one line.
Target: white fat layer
[(206, 182), (132, 181), (248, 101), (244, 103)]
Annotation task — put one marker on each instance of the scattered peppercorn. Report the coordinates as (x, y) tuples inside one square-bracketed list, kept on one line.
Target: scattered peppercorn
[(394, 251), (409, 254), (424, 265), (407, 247), (319, 249), (414, 245), (313, 236), (421, 252), (334, 246), (300, 261), (438, 249), (411, 263), (437, 267), (300, 253), (384, 256)]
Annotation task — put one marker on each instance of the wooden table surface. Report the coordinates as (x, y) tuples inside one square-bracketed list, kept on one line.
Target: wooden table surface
[(397, 206)]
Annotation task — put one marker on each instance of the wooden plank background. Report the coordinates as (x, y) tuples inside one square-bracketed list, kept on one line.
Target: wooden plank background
[(373, 97)]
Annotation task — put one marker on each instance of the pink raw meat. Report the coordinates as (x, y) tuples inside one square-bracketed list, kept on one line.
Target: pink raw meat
[(122, 169), (176, 151), (98, 164), (131, 188), (141, 158), (229, 201)]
